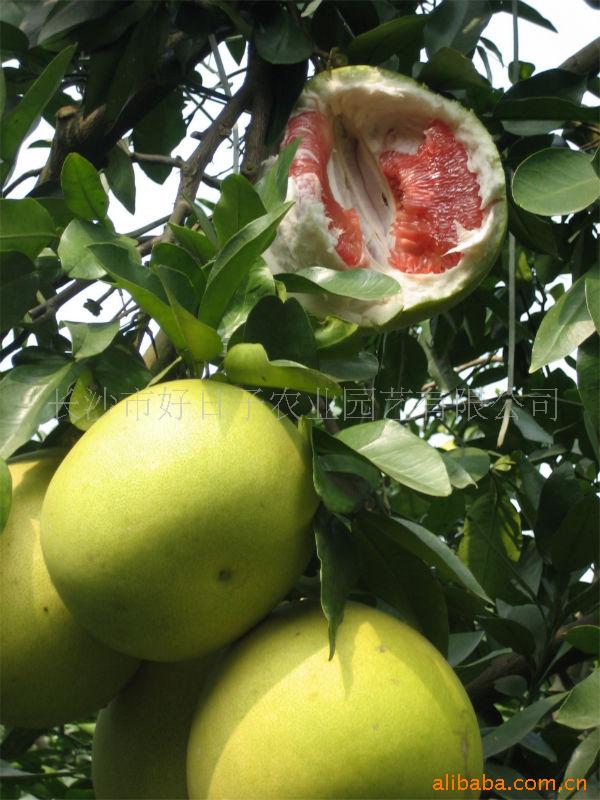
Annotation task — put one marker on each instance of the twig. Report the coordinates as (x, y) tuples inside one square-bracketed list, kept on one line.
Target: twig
[(14, 345), (227, 89), (44, 311), (156, 158), (149, 226), (31, 173), (475, 362), (506, 417), (515, 664), (193, 171)]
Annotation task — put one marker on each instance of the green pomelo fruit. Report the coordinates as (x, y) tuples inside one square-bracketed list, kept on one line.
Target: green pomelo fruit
[(140, 742), (52, 670), (383, 719), (179, 519), (390, 177)]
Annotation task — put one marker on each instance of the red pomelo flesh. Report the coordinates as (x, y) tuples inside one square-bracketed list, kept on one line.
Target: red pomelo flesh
[(432, 189), (316, 143)]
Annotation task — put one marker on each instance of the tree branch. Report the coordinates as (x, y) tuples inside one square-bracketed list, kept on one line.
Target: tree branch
[(156, 158), (44, 311), (31, 173), (515, 664), (94, 134), (193, 171), (585, 60), (257, 129)]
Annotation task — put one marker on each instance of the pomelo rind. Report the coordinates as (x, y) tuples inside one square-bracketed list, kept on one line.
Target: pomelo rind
[(305, 240)]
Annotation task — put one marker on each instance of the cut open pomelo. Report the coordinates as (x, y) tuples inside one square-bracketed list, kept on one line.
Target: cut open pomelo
[(391, 177)]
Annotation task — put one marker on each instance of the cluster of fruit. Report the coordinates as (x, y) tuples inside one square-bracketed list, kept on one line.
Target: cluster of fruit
[(173, 526)]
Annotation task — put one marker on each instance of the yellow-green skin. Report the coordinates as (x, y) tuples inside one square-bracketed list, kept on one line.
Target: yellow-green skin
[(170, 536), (383, 719), (140, 742), (52, 671)]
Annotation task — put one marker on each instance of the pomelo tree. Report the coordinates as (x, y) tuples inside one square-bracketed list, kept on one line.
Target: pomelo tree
[(455, 448)]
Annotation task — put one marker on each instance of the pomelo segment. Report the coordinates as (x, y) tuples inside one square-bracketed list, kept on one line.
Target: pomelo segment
[(394, 178), (433, 190), (309, 168)]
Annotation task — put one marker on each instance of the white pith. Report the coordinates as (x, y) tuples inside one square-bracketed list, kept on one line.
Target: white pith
[(373, 110)]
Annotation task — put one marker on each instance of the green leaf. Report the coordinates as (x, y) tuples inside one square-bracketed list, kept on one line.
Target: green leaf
[(400, 454), (147, 290), (432, 550), (272, 186), (581, 709), (19, 282), (238, 205), (357, 368), (509, 633), (106, 378), (91, 338), (359, 284), (402, 580), (121, 177), (30, 395), (233, 263), (283, 330), (592, 295), (542, 89), (260, 283), (83, 189), (279, 39), (178, 259), (342, 478), (449, 69), (195, 242), (85, 402), (469, 671), (160, 131), (2, 90), (332, 331), (575, 543), (457, 24), (519, 725), (585, 638), (402, 37), (137, 64), (76, 257), (459, 477), (558, 494), (197, 343), (564, 327), (12, 39), (491, 542), (528, 426), (583, 757), (205, 223), (555, 181), (524, 11), (461, 645), (588, 380), (474, 461), (336, 550), (5, 493), (26, 226), (249, 364), (542, 109), (532, 231), (26, 113)]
